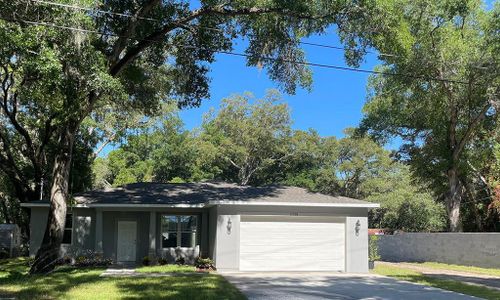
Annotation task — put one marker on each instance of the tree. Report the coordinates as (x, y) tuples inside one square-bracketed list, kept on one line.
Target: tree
[(356, 166), (404, 205), (450, 48), (248, 137), (160, 153)]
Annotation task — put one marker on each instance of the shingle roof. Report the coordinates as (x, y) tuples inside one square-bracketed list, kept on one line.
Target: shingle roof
[(207, 192)]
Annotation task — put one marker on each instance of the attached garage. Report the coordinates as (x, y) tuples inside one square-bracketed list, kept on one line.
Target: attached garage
[(278, 243)]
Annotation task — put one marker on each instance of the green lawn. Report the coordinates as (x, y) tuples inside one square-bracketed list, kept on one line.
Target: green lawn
[(71, 283), (166, 269), (451, 285), (469, 269)]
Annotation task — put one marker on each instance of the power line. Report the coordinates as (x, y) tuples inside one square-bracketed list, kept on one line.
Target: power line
[(304, 63), (107, 12)]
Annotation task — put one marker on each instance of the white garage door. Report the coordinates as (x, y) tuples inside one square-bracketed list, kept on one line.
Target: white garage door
[(292, 243)]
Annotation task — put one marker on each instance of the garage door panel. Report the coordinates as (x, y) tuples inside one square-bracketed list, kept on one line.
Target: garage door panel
[(285, 249), (291, 266), (283, 244), (300, 241)]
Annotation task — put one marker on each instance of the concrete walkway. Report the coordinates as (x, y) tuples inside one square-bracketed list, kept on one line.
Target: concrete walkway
[(489, 281), (315, 286)]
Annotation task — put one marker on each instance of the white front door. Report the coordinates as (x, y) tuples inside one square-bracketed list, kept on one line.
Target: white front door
[(292, 243), (127, 241)]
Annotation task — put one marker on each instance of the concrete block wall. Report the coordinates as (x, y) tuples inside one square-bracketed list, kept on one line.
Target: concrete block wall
[(471, 249)]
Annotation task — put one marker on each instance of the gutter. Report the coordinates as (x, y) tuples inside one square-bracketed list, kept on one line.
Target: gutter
[(211, 204)]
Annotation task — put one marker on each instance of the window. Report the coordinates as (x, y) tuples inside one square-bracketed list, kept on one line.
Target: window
[(179, 231), (68, 229)]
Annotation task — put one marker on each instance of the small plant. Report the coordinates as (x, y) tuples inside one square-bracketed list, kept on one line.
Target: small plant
[(146, 261), (180, 260), (373, 254), (90, 259), (204, 264), (162, 261)]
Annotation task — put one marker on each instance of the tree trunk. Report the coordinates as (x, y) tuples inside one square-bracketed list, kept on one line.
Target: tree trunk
[(48, 255), (5, 210), (453, 200)]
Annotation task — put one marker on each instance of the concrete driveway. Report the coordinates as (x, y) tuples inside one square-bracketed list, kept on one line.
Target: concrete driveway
[(313, 286)]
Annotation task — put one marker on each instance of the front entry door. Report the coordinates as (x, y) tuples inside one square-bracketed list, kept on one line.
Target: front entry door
[(126, 241)]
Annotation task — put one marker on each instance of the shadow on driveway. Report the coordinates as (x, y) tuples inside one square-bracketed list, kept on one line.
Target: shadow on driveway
[(261, 285)]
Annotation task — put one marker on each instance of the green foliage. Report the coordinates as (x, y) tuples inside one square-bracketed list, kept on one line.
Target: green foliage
[(146, 261), (204, 263), (162, 261), (403, 204), (373, 248), (163, 153), (248, 138), (92, 260)]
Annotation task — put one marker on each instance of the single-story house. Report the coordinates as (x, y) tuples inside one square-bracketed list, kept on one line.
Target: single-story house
[(270, 228)]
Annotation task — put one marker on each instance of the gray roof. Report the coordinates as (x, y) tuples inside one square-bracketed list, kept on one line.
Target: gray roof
[(206, 193)]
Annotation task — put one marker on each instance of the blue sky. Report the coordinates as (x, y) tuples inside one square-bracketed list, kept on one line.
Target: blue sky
[(333, 104)]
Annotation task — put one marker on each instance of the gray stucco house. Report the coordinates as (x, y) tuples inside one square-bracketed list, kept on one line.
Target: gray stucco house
[(271, 228)]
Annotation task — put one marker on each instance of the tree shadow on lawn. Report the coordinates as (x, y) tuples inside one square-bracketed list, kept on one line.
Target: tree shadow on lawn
[(450, 284), (15, 282), (193, 286)]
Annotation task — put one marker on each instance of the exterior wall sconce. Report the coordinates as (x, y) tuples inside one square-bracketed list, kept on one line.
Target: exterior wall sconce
[(357, 227), (229, 225)]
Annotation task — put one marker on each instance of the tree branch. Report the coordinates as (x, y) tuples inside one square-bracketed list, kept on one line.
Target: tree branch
[(101, 147), (470, 130), (233, 163), (129, 32), (181, 23), (12, 115)]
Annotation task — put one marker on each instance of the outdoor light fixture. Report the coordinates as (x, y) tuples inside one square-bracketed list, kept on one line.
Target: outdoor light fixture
[(229, 225), (357, 227)]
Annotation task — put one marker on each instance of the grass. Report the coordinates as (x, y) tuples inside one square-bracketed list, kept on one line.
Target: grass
[(460, 268), (166, 269), (72, 283), (451, 285)]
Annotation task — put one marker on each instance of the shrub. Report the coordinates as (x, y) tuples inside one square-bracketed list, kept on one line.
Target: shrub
[(30, 261), (373, 248), (162, 261), (146, 261), (204, 263), (4, 253), (91, 260), (180, 260)]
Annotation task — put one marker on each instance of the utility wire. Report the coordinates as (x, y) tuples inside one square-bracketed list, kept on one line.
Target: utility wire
[(107, 12), (303, 63)]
